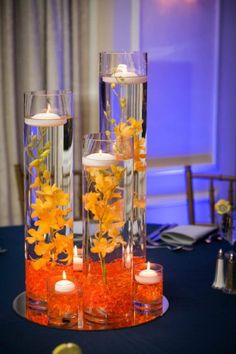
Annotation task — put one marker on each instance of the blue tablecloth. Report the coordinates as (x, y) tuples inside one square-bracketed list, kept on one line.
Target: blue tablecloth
[(199, 320)]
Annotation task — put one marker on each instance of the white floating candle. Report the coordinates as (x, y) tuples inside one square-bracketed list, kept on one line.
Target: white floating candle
[(130, 77), (64, 285), (147, 276), (77, 260), (46, 119), (99, 159)]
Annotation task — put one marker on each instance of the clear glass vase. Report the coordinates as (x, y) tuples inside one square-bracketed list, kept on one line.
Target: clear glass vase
[(48, 167), (107, 229), (123, 106)]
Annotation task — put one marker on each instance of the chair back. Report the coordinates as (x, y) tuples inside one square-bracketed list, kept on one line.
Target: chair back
[(212, 178)]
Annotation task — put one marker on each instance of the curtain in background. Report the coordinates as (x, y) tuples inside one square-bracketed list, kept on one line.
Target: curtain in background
[(42, 46)]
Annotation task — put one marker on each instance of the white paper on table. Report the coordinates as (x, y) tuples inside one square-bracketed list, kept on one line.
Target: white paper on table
[(186, 234)]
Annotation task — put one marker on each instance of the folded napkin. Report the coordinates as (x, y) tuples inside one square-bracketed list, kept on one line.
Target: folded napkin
[(186, 234)]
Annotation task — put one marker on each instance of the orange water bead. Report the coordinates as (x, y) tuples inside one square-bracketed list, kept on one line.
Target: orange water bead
[(37, 317), (148, 293), (36, 280), (113, 299)]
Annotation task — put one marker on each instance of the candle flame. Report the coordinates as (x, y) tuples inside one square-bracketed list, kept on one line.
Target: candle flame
[(49, 108), (64, 275), (121, 68), (148, 265), (75, 250)]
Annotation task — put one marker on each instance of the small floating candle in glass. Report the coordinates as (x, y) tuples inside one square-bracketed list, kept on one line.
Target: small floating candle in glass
[(63, 301), (46, 119), (99, 159), (64, 285), (147, 276), (148, 289)]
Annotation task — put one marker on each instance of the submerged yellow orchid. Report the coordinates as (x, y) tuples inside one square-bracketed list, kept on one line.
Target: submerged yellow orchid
[(105, 205), (50, 210)]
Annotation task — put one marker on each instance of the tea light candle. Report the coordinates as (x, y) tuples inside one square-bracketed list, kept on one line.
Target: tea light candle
[(46, 119), (77, 260), (147, 276), (64, 285), (99, 159), (130, 77)]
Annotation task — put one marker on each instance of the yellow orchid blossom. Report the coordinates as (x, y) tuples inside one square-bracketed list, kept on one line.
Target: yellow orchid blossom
[(103, 246), (105, 205), (50, 210)]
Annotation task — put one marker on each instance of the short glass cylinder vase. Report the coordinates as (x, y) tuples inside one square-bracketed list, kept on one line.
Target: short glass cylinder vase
[(148, 290), (64, 301), (107, 230), (123, 110), (48, 166)]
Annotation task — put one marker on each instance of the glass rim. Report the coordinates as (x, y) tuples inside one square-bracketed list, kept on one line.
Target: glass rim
[(123, 52), (98, 137), (48, 93), (153, 265)]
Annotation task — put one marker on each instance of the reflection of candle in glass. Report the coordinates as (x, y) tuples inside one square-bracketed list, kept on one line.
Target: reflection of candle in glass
[(77, 260), (64, 285), (46, 119), (99, 159), (147, 276), (128, 258)]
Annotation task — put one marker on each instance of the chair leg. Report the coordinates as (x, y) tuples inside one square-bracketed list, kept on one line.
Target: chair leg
[(189, 192)]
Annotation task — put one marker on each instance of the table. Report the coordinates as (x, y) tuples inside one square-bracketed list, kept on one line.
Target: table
[(199, 320)]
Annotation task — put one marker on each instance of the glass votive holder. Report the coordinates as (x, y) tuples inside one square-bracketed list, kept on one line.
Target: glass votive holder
[(148, 289), (63, 301)]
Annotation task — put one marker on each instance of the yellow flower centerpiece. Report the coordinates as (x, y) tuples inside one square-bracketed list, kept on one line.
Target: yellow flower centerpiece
[(48, 192), (123, 95), (107, 235)]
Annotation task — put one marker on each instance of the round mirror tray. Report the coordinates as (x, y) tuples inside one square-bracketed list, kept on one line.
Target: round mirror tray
[(19, 306)]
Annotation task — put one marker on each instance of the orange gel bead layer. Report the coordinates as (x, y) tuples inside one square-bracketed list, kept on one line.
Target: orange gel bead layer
[(110, 302), (36, 280)]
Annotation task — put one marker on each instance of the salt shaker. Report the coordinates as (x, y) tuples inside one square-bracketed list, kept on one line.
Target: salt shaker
[(219, 281)]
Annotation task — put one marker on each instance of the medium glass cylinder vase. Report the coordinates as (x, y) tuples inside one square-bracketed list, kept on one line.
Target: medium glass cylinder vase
[(107, 230), (123, 102), (48, 158)]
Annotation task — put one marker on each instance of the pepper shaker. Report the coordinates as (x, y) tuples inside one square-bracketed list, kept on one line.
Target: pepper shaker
[(230, 282)]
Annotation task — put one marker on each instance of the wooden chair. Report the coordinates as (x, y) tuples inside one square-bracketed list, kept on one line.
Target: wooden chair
[(190, 176)]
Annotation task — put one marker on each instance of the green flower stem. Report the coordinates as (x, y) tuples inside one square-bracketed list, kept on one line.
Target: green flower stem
[(104, 269)]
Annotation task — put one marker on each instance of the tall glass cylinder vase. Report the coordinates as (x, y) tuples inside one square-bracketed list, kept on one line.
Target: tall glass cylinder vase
[(123, 102), (107, 229), (48, 157)]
